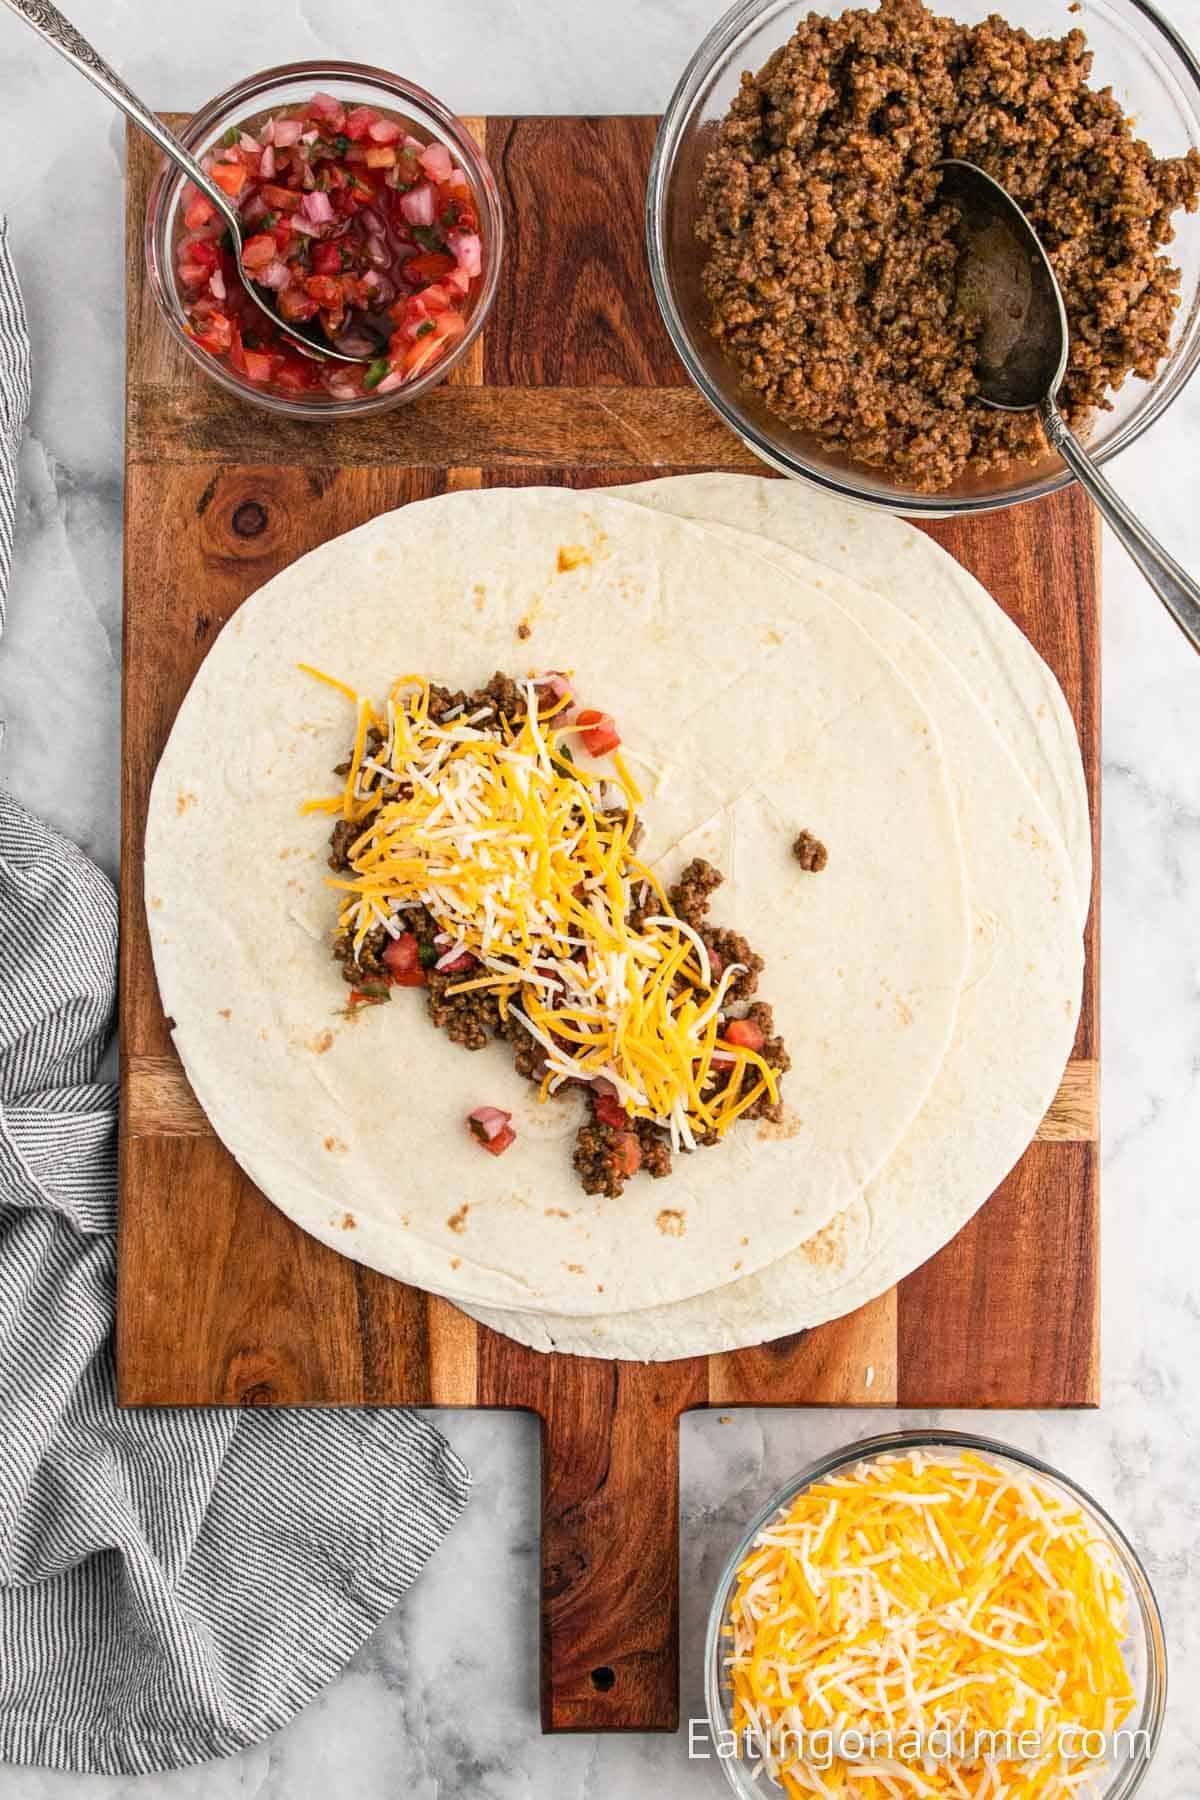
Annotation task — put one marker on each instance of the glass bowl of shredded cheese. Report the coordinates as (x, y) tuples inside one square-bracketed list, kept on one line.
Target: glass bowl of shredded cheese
[(931, 1614)]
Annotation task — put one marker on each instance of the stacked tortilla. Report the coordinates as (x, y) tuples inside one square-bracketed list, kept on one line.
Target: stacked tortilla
[(779, 662)]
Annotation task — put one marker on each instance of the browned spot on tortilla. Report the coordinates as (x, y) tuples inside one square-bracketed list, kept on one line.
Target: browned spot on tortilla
[(903, 1010), (479, 593), (789, 1126), (293, 883), (556, 1212), (183, 800), (572, 556), (574, 1268), (264, 1034), (335, 1143), (284, 854), (671, 1222), (319, 1044), (823, 1248), (155, 902), (771, 636), (599, 1287), (737, 1265), (349, 1222), (224, 1012), (745, 1241), (458, 1221), (724, 1418), (524, 629)]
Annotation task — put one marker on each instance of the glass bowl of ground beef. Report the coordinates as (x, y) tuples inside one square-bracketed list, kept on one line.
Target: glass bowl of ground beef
[(806, 266)]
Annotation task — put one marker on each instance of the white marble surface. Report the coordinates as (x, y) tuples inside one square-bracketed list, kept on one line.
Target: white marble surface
[(442, 1702)]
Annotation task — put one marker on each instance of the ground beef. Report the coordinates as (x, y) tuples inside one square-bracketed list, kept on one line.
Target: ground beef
[(810, 853), (343, 835), (467, 1019), (656, 1148), (726, 947), (690, 894), (593, 1161), (832, 263)]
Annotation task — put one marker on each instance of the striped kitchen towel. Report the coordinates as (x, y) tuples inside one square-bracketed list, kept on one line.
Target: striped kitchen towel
[(173, 1585)]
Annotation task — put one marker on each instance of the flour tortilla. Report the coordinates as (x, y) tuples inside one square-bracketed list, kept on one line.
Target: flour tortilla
[(772, 710), (1015, 1027), (890, 556)]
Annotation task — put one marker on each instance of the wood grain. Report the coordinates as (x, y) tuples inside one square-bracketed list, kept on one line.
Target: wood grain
[(221, 1300)]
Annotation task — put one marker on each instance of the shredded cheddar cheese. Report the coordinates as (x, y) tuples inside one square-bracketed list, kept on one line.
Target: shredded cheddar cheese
[(915, 1596), (514, 851)]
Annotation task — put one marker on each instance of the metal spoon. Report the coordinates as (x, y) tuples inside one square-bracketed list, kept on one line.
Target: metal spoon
[(1006, 281), (49, 24)]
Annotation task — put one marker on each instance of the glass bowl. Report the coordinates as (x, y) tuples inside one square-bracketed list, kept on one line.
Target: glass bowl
[(357, 85), (1145, 1647), (1153, 74)]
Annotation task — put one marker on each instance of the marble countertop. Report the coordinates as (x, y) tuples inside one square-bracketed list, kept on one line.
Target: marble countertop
[(443, 1700)]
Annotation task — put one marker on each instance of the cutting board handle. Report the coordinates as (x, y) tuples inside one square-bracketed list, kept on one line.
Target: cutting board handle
[(610, 1543)]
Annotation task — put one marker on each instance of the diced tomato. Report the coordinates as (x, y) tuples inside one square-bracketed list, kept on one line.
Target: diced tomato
[(402, 960), (328, 112), (425, 351), (230, 177), (600, 734), (626, 1153), (326, 259), (259, 250), (215, 334), (324, 290), (430, 265), (489, 1126), (259, 366), (743, 1034), (282, 233), (609, 1111), (459, 966), (237, 353), (199, 211), (192, 275), (295, 372), (280, 199), (295, 305), (359, 121)]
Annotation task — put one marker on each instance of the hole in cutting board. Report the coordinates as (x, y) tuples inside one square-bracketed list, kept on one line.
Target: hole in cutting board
[(603, 1678)]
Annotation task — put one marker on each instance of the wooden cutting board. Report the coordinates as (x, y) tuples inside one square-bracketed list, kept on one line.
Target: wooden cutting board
[(221, 1300)]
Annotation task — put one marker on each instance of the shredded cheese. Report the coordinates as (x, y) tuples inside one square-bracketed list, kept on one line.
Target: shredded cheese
[(917, 1596), (524, 867)]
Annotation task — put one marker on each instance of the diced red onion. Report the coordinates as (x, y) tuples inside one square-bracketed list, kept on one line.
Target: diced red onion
[(308, 180), (318, 207), (381, 289), (435, 160), (491, 1120), (255, 209), (287, 132), (557, 687), (377, 253), (309, 137), (324, 106), (356, 343), (384, 131), (266, 167), (417, 204), (458, 279), (457, 179), (276, 275), (246, 142), (467, 249), (414, 144), (391, 382), (216, 285)]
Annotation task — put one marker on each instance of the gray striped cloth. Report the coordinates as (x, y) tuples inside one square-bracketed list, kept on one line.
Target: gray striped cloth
[(173, 1585)]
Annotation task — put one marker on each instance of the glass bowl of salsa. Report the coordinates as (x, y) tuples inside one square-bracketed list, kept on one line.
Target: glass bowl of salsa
[(370, 217)]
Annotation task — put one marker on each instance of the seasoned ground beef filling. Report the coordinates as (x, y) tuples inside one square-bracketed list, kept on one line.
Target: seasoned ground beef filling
[(832, 263), (606, 1154)]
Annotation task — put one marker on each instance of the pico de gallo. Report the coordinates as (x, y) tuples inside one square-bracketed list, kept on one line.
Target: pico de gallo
[(357, 227)]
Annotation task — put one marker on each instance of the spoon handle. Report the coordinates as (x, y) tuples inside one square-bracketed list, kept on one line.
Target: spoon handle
[(49, 23), (1173, 585)]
